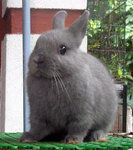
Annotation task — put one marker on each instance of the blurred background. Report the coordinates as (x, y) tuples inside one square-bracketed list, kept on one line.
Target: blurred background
[(110, 38)]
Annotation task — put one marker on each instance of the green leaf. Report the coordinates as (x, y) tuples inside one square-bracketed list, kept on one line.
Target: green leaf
[(128, 35), (120, 73), (129, 77), (129, 19), (129, 62)]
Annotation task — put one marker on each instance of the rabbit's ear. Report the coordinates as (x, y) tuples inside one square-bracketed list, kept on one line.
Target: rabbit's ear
[(78, 28), (59, 20)]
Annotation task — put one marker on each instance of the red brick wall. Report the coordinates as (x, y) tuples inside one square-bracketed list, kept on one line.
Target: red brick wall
[(41, 19)]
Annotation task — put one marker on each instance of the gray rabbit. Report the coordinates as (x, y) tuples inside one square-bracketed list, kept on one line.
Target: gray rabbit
[(71, 94)]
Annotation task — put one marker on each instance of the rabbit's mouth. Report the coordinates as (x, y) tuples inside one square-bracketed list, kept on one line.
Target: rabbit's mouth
[(47, 73)]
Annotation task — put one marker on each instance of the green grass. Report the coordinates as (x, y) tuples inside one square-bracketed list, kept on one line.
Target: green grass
[(11, 141)]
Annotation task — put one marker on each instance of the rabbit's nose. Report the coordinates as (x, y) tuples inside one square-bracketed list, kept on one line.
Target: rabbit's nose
[(39, 59)]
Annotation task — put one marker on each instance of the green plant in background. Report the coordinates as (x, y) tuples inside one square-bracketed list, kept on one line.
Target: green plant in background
[(129, 48), (108, 32), (94, 33)]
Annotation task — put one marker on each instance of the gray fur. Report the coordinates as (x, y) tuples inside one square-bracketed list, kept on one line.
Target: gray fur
[(59, 20), (71, 94)]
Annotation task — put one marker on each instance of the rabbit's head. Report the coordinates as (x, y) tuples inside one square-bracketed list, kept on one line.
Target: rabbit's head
[(57, 51)]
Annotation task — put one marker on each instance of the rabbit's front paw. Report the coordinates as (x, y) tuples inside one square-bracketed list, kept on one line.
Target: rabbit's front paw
[(73, 139), (27, 138)]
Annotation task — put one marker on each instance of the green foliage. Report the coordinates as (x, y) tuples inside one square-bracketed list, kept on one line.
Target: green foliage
[(111, 28), (129, 47), (94, 33)]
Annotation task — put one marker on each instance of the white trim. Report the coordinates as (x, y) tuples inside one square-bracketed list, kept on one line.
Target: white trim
[(84, 44), (46, 4), (12, 79)]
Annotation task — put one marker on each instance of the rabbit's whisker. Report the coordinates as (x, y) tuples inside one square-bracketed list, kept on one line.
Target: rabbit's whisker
[(59, 82), (56, 83), (62, 84), (52, 84)]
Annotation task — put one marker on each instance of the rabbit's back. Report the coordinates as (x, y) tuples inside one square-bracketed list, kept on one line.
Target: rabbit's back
[(103, 90)]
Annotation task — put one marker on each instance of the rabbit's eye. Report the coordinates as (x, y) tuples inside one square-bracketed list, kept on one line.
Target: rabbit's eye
[(62, 49)]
